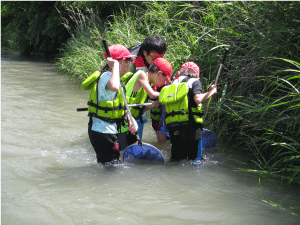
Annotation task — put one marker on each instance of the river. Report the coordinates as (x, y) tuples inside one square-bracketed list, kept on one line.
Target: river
[(49, 173)]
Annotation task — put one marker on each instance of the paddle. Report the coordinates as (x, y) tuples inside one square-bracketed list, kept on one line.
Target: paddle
[(208, 138), (140, 151)]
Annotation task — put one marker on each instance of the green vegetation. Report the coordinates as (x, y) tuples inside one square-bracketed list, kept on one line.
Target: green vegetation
[(257, 109), (36, 26), (290, 210), (32, 26)]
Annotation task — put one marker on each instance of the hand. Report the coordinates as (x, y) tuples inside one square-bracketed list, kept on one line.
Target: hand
[(111, 62), (155, 104), (213, 89), (130, 127)]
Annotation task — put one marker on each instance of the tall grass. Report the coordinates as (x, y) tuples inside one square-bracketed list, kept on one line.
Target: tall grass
[(257, 110), (268, 122), (82, 54)]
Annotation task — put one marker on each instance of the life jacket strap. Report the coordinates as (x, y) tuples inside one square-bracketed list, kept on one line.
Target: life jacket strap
[(173, 113), (111, 121), (106, 109), (182, 112), (155, 113), (197, 114)]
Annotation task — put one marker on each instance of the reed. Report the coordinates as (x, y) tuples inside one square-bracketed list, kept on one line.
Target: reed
[(82, 54), (257, 110)]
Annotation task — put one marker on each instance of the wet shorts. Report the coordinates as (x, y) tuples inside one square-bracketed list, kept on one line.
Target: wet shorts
[(185, 141), (106, 146), (131, 138)]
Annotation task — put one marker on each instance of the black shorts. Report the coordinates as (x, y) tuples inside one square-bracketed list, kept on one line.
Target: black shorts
[(106, 146), (185, 140), (122, 141), (131, 138)]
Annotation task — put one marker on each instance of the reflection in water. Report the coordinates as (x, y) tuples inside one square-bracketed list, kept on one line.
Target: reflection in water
[(50, 175)]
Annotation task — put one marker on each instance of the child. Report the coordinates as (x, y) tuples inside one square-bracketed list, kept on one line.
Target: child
[(152, 47), (139, 88), (184, 117), (106, 105)]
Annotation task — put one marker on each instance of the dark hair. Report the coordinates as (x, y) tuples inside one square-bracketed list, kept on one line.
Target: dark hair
[(188, 72), (105, 69), (152, 43), (154, 69)]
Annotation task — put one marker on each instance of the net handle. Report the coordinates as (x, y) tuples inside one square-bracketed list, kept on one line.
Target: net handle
[(218, 75)]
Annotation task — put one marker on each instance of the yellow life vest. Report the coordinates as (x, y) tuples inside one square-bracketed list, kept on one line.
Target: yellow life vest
[(140, 98), (110, 111), (155, 113), (178, 111)]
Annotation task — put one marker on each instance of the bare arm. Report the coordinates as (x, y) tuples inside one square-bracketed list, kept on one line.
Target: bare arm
[(143, 81), (154, 104), (114, 83), (200, 98)]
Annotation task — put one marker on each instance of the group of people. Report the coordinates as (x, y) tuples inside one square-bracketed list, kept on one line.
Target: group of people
[(143, 77)]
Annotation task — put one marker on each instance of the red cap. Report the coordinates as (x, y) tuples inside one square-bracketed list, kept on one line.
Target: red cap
[(118, 51), (164, 66), (191, 65)]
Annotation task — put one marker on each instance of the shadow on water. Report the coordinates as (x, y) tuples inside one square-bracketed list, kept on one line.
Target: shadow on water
[(10, 55)]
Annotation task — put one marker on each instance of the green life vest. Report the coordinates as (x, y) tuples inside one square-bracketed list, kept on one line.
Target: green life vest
[(140, 98), (178, 111), (110, 111), (156, 113), (126, 77)]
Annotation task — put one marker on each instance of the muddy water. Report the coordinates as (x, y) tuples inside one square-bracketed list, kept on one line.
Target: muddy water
[(50, 175)]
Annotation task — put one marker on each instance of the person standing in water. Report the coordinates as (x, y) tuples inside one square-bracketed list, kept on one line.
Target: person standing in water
[(152, 47), (183, 100), (139, 88), (106, 104)]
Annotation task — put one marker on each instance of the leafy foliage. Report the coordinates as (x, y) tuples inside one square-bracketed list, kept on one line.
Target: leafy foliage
[(33, 26), (36, 26)]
